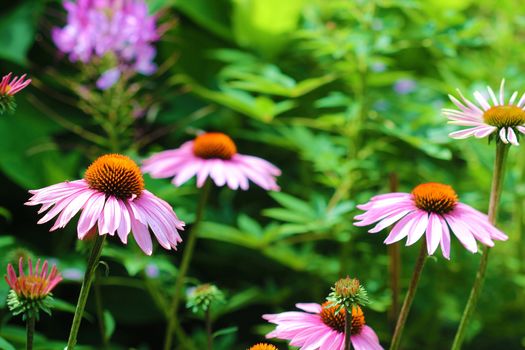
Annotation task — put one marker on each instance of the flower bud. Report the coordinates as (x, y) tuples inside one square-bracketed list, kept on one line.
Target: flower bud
[(201, 297)]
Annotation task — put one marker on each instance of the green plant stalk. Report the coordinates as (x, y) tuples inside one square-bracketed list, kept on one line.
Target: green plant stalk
[(30, 327), (184, 266), (209, 335), (409, 298), (348, 329), (93, 260), (495, 194), (100, 311)]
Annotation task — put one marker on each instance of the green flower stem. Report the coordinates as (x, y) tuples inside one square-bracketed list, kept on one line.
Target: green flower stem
[(183, 269), (30, 326), (495, 194), (409, 298), (100, 311), (84, 290), (208, 329), (348, 329)]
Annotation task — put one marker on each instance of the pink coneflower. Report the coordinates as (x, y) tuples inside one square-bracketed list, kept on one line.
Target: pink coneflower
[(213, 155), (8, 89), (430, 207), (321, 327), (113, 199), (505, 119), (15, 85), (37, 284)]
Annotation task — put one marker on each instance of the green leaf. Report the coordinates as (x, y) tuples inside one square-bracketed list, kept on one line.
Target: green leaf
[(225, 331), (5, 213), (5, 345), (265, 25), (212, 15), (109, 324), (34, 160), (18, 31), (293, 203), (228, 234)]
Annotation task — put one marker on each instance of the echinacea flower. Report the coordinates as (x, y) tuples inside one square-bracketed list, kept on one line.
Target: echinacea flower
[(263, 346), (122, 29), (15, 85), (213, 155), (432, 208), (113, 200), (322, 327), (8, 88), (505, 118), (31, 292)]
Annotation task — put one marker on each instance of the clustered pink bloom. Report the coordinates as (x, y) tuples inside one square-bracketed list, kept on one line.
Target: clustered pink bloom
[(432, 208), (15, 85), (212, 155), (122, 28), (113, 200), (506, 119), (37, 284), (320, 327)]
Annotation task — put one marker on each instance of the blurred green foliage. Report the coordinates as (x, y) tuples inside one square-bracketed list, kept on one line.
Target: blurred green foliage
[(312, 86)]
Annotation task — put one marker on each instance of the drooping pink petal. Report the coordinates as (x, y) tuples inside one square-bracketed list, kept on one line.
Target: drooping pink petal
[(402, 228), (503, 135), (313, 308), (419, 228), (434, 233), (511, 136), (462, 232), (90, 214), (445, 239)]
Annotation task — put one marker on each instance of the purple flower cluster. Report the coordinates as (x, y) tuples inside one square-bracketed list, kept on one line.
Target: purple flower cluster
[(122, 28)]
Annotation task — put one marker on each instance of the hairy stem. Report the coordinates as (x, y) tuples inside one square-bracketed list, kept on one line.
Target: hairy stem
[(84, 290), (183, 269), (348, 329), (409, 298), (495, 194), (30, 327)]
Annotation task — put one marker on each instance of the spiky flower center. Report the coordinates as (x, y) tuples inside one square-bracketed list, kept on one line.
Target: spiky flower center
[(336, 321), (435, 197), (32, 287), (504, 116), (115, 175), (263, 346), (214, 145)]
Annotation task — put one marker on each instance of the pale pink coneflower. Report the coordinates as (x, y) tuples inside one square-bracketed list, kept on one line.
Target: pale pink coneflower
[(213, 155), (113, 200), (322, 327), (432, 208), (505, 118)]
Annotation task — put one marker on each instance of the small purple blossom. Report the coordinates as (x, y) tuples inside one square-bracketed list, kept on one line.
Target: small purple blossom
[(378, 67), (73, 274), (122, 28), (404, 86), (108, 79), (152, 270)]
